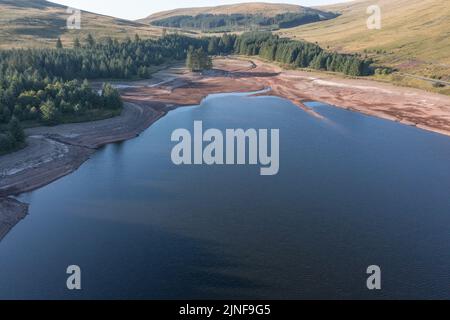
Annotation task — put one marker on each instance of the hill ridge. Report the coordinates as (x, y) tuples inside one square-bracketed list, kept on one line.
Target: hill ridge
[(39, 23), (264, 8)]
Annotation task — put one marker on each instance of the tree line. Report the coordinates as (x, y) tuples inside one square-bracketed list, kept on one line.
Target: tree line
[(300, 54), (297, 54), (50, 86), (12, 137), (46, 85), (223, 22)]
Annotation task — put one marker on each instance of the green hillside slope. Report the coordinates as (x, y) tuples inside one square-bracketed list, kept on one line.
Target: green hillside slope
[(243, 16), (31, 23), (415, 34)]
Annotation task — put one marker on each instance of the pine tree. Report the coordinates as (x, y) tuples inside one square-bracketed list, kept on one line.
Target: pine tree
[(355, 68), (59, 44), (76, 43), (189, 59), (111, 97), (198, 60), (213, 45), (90, 42), (16, 130), (50, 114), (6, 142)]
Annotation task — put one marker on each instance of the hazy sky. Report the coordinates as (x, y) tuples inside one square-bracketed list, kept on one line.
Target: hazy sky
[(135, 9)]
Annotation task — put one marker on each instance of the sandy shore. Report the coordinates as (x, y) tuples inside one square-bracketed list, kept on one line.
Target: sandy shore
[(54, 152), (409, 106), (413, 107)]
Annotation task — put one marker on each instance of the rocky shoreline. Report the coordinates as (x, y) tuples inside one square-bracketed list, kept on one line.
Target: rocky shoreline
[(12, 211)]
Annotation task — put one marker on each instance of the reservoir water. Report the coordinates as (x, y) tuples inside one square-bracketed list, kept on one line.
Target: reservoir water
[(352, 191)]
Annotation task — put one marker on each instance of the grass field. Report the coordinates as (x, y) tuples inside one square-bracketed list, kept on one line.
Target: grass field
[(414, 37), (38, 23)]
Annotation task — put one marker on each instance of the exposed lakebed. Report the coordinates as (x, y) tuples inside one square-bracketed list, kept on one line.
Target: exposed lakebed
[(352, 191)]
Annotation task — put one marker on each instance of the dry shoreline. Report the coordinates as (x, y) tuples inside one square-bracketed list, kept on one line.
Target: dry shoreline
[(57, 151), (12, 211)]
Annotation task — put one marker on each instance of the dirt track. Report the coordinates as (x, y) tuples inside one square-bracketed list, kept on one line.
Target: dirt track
[(57, 151)]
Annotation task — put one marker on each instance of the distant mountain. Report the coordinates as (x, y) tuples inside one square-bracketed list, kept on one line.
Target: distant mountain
[(31, 23), (241, 16), (414, 35)]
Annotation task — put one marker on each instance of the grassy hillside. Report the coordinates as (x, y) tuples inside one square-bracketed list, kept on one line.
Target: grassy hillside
[(415, 35), (31, 23), (243, 16), (265, 9)]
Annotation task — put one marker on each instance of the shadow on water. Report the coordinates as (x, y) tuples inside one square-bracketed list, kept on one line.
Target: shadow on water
[(153, 264)]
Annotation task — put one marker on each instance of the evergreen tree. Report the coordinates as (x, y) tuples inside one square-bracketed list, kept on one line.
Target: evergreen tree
[(213, 46), (76, 43), (190, 59), (90, 42), (50, 114), (198, 60), (59, 44), (7, 142), (16, 130), (111, 97)]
